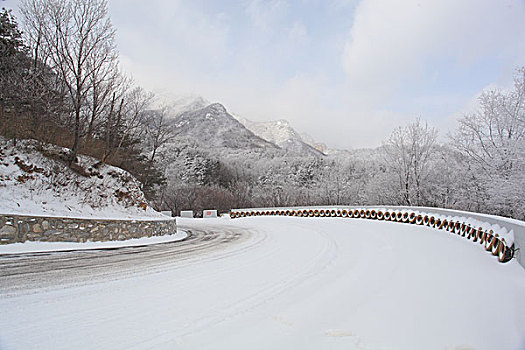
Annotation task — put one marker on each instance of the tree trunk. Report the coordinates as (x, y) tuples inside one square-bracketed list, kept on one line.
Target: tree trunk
[(108, 132)]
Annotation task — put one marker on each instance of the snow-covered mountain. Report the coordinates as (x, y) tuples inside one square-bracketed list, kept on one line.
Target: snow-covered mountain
[(321, 147), (187, 104), (282, 134), (177, 104), (212, 126)]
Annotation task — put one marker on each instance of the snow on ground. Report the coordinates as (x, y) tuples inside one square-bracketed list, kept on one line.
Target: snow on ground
[(32, 183), (40, 247), (294, 283)]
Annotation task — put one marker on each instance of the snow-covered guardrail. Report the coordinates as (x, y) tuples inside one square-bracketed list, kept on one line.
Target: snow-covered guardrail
[(496, 234)]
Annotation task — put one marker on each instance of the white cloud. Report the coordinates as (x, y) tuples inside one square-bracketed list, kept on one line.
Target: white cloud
[(264, 13), (392, 46), (171, 32), (394, 41), (298, 33)]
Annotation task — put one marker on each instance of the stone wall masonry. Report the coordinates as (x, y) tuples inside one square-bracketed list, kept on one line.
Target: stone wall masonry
[(21, 228)]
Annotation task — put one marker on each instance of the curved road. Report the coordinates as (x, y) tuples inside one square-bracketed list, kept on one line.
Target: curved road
[(30, 272), (268, 283)]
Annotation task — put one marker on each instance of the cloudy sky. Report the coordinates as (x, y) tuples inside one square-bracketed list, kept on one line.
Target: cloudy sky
[(344, 71)]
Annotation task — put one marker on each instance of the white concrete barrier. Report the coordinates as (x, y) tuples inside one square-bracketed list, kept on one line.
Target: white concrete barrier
[(186, 213), (209, 213)]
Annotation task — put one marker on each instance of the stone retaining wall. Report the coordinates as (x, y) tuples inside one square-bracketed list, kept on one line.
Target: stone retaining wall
[(18, 228)]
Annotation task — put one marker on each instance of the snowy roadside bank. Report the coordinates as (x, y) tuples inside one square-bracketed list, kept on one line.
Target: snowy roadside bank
[(41, 247), (35, 182)]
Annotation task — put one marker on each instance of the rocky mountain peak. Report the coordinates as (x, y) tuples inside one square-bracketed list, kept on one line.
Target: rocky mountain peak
[(216, 108), (282, 134), (213, 126)]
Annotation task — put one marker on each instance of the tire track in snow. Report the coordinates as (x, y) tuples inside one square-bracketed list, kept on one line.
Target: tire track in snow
[(324, 256), (31, 272)]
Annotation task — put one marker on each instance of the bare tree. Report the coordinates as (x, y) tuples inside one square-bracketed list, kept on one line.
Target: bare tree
[(34, 25), (493, 140), (494, 135), (407, 152), (106, 83), (158, 130), (78, 38), (127, 125)]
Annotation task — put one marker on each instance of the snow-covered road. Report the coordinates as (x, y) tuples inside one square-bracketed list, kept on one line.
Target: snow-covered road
[(270, 283), (25, 273)]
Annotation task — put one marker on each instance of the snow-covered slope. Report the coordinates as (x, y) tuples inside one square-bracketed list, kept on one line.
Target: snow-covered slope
[(282, 134), (34, 182), (212, 126), (321, 147), (278, 131)]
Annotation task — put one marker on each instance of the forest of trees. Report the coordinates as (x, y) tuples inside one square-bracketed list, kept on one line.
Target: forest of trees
[(480, 167), (60, 83)]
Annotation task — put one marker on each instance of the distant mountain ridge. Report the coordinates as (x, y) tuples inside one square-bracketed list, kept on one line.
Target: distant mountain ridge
[(282, 134), (212, 126), (187, 104)]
